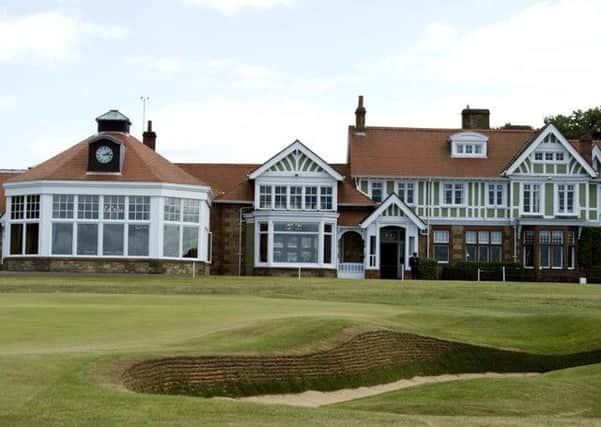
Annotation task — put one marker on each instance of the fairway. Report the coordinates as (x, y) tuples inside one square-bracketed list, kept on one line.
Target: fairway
[(64, 341)]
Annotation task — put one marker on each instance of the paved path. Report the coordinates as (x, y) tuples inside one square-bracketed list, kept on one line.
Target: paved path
[(314, 399)]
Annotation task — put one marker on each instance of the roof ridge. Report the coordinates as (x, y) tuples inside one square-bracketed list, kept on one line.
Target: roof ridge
[(432, 129)]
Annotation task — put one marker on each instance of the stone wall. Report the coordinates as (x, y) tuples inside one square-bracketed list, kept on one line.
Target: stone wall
[(105, 265), (228, 256)]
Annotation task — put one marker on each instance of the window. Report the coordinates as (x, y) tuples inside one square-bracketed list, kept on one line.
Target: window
[(171, 241), (311, 198), (538, 156), (87, 239), (372, 251), (87, 207), (571, 250), (548, 157), (24, 227), (325, 198), (559, 157), (281, 197), (62, 238), (565, 199), (483, 246), (551, 249), (496, 194), (190, 242), (172, 209), (138, 239), (376, 191), (62, 206), (263, 241), (114, 207), (295, 242), (265, 197), (191, 210), (139, 208), (453, 194), (406, 192), (531, 198), (441, 245), (112, 240), (296, 197), (327, 243)]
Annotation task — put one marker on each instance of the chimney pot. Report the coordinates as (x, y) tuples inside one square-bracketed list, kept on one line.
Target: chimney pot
[(360, 116), (149, 137)]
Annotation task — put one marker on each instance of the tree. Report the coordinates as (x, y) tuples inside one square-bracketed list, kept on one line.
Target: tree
[(578, 125)]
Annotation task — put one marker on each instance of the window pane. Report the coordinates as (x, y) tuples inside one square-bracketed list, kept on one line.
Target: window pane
[(311, 198), (327, 248), (87, 207), (557, 256), (191, 210), (172, 209), (114, 207), (470, 237), (528, 256), (483, 253), (496, 253), (281, 197), (441, 236), (295, 248), (470, 253), (496, 237), (16, 239), (545, 256), (265, 196), (62, 239), (296, 197), (33, 207), (410, 194), (441, 252), (18, 207), (171, 241), (31, 238), (139, 208), (62, 206), (326, 198), (112, 240), (263, 239), (298, 227), (483, 237), (87, 239), (137, 241), (190, 242)]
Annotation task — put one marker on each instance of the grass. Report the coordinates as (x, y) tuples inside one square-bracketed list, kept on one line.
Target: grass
[(64, 340)]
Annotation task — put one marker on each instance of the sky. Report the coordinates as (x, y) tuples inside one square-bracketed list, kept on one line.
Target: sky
[(238, 80)]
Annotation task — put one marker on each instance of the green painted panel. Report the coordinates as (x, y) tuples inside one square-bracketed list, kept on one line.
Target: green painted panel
[(501, 213), (593, 215), (470, 193), (421, 193), (582, 191), (516, 213), (436, 212), (490, 213), (582, 214), (420, 211), (592, 195), (462, 212), (549, 169), (482, 195), (444, 212), (538, 168), (548, 198), (454, 212), (436, 193), (561, 169), (516, 194), (363, 185)]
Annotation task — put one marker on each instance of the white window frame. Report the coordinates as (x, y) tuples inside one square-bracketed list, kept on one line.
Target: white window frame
[(454, 184), (575, 200), (404, 192), (541, 199), (496, 186), (436, 241), (382, 189)]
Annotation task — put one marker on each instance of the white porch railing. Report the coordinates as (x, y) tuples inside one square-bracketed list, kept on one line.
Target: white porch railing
[(351, 270)]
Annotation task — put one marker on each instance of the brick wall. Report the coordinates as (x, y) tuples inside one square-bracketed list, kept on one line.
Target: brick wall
[(225, 223)]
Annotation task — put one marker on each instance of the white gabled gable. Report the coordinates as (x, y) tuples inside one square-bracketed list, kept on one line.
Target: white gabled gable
[(394, 206), (560, 139), (596, 156), (296, 159)]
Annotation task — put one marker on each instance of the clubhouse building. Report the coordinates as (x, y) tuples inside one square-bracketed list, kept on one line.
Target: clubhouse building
[(112, 204)]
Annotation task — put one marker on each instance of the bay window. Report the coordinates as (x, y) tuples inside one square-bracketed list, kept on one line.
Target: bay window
[(565, 199), (24, 225), (181, 232), (531, 199)]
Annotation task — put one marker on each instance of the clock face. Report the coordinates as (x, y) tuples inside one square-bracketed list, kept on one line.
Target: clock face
[(104, 154)]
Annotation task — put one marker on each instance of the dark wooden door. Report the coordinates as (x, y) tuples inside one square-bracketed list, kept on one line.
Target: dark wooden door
[(389, 260)]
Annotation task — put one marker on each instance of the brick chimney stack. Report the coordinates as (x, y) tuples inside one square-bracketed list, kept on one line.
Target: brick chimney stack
[(475, 118), (149, 138), (360, 116)]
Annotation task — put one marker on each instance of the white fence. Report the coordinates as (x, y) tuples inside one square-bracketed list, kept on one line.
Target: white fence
[(351, 270)]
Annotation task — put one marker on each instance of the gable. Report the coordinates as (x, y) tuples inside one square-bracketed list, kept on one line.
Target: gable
[(550, 154), (393, 206), (294, 160)]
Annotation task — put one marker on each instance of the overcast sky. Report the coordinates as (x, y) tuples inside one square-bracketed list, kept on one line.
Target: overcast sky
[(237, 80)]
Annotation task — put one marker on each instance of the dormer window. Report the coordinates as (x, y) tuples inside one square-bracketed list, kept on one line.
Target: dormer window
[(469, 145)]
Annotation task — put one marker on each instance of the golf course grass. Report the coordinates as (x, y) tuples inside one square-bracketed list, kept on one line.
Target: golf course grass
[(65, 341)]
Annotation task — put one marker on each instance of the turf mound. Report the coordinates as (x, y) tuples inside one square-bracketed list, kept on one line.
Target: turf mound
[(369, 358)]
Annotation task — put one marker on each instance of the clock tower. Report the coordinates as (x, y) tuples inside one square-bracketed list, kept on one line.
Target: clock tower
[(105, 152)]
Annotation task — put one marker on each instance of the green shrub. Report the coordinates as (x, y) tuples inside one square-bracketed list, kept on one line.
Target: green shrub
[(429, 269), (469, 270), (589, 251)]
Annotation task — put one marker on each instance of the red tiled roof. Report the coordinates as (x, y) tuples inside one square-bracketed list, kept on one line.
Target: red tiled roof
[(385, 151), (141, 164), (5, 176), (353, 216)]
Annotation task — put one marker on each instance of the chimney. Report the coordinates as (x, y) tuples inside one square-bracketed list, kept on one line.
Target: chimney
[(149, 138), (360, 116), (475, 118)]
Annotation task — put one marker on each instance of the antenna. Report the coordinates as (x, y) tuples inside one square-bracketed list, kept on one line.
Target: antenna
[(144, 100)]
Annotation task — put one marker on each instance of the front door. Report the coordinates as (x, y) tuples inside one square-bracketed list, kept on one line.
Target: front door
[(389, 260)]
